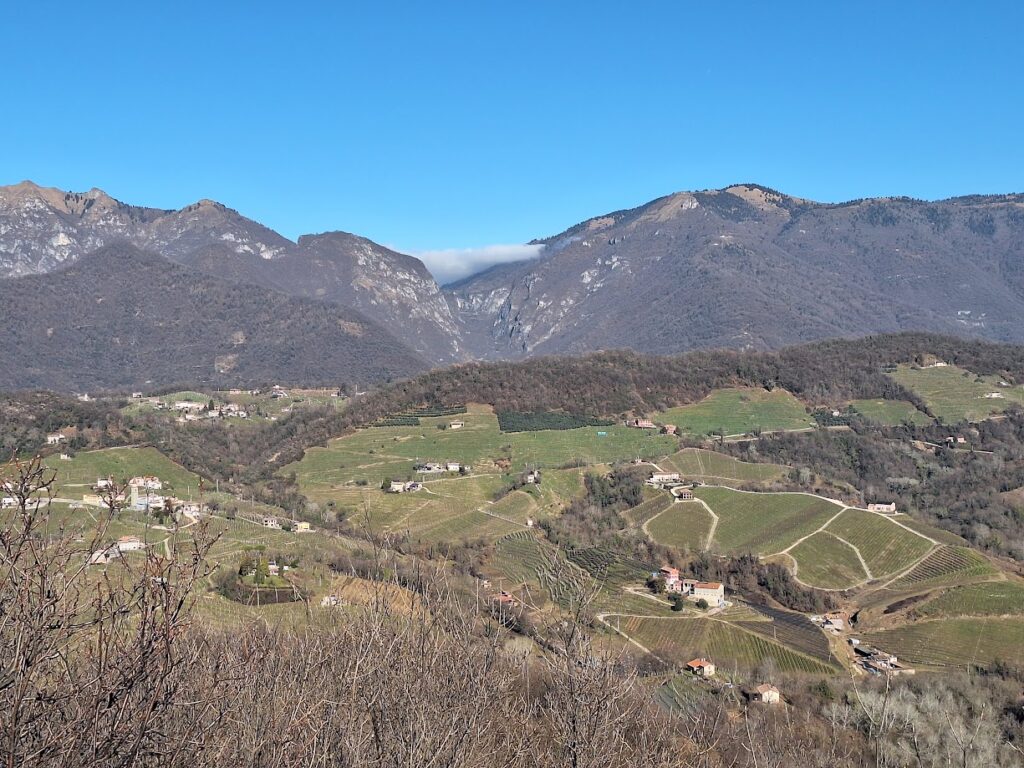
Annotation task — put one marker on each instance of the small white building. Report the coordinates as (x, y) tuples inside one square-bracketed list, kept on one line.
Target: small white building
[(456, 424), (272, 522), (888, 509), (711, 591), (129, 544), (6, 502), (452, 466), (660, 478), (701, 667), (765, 693), (396, 486), (55, 438)]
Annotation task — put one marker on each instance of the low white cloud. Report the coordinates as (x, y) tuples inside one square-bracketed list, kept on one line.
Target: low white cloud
[(450, 264)]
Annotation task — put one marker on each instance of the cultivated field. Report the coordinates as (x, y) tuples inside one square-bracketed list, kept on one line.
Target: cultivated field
[(719, 469), (738, 412), (955, 642), (943, 566), (890, 412), (684, 525), (75, 478), (825, 561), (763, 523), (731, 647), (375, 453), (954, 394), (990, 598), (886, 547)]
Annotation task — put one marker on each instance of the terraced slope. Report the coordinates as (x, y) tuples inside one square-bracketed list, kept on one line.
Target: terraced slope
[(719, 469), (886, 547), (827, 562)]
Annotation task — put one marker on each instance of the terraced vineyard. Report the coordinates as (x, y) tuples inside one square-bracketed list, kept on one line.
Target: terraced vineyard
[(763, 523), (955, 642), (989, 598), (954, 394), (794, 630), (825, 561), (684, 525), (739, 411), (657, 504), (886, 547), (524, 559), (729, 646), (943, 566), (717, 468)]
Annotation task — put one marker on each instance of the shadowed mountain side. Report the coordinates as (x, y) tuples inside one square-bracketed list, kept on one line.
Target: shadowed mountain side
[(122, 317)]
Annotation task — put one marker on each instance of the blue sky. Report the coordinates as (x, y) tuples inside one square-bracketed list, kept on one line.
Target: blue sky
[(457, 125)]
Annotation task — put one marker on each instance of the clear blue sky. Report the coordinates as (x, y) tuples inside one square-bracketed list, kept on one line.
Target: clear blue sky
[(430, 125)]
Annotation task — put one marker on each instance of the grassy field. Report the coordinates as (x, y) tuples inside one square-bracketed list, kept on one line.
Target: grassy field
[(655, 502), (955, 642), (684, 525), (739, 411), (374, 453), (890, 412), (825, 561), (954, 394), (711, 467), (729, 646), (990, 598), (886, 547), (74, 478), (763, 523)]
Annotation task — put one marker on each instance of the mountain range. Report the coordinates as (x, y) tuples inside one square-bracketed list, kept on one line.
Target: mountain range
[(742, 267)]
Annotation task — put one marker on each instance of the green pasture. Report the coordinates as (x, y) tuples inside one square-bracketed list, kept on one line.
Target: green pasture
[(954, 394), (739, 411)]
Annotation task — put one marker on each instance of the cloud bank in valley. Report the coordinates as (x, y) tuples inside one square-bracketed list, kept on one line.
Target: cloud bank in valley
[(450, 264)]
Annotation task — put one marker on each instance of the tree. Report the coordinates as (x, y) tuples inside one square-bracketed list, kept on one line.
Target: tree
[(656, 585), (702, 604), (678, 602)]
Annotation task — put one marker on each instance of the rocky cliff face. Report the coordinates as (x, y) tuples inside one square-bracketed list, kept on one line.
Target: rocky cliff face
[(43, 229), (747, 267)]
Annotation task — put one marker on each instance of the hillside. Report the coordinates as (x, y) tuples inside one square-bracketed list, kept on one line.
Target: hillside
[(42, 229), (747, 267), (123, 317)]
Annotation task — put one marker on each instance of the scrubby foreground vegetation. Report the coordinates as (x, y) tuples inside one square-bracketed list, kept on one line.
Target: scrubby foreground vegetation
[(114, 670)]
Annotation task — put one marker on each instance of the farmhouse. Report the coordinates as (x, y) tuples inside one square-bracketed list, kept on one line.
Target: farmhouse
[(533, 476), (149, 482), (711, 591), (55, 438), (765, 693), (701, 667), (396, 486), (428, 468), (452, 466), (102, 483), (641, 424), (683, 494), (188, 405), (7, 501), (884, 508), (661, 478), (129, 544), (669, 429), (271, 522), (456, 425), (671, 577), (504, 598)]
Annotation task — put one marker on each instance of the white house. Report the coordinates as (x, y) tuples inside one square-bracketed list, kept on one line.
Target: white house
[(456, 425), (55, 438), (396, 486), (149, 482), (884, 508), (6, 502), (129, 544), (659, 478), (766, 693), (271, 522), (711, 591), (452, 466), (188, 405)]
